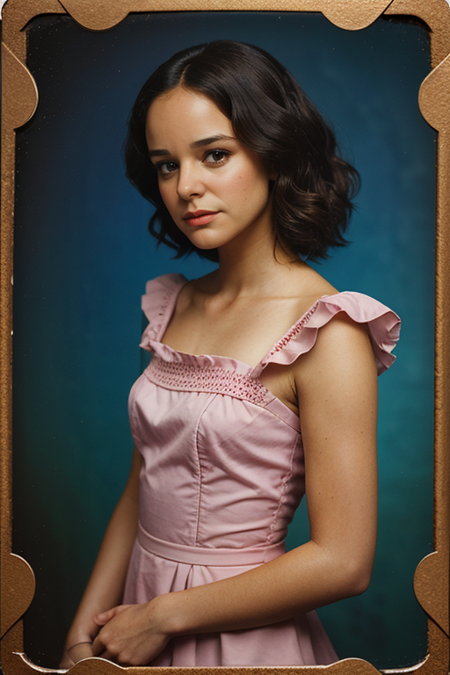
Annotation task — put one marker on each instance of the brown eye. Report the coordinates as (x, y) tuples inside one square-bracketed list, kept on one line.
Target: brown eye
[(166, 168), (216, 156)]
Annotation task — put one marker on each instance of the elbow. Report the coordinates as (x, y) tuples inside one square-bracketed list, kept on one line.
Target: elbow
[(345, 571), (356, 578), (358, 584)]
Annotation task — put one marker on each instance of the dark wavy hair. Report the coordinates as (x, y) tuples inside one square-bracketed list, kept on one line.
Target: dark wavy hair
[(270, 114)]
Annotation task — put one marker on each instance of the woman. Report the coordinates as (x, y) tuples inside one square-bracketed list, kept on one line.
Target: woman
[(262, 383)]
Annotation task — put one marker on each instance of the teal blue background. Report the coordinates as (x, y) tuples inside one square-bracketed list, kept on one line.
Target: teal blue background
[(83, 254)]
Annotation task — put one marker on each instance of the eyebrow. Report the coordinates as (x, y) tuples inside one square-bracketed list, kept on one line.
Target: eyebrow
[(196, 144), (211, 139)]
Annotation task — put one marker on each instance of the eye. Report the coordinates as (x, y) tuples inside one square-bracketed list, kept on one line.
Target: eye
[(166, 168), (216, 156)]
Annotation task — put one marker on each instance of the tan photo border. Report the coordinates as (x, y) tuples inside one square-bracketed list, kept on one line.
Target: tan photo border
[(19, 101)]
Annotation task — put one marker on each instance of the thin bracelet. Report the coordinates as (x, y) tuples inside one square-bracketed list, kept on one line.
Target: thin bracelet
[(77, 644)]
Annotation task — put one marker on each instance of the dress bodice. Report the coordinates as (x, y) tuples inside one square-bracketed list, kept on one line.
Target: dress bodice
[(223, 457)]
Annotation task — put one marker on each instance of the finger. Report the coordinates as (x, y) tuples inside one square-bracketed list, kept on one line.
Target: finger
[(108, 655), (105, 654), (97, 647), (104, 617), (80, 651)]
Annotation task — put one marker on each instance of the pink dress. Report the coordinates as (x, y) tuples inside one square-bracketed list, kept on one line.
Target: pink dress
[(223, 474)]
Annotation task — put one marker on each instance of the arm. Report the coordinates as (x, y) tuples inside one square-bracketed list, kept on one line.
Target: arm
[(336, 388), (106, 583)]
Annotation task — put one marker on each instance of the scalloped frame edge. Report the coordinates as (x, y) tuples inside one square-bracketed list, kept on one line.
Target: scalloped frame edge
[(20, 96)]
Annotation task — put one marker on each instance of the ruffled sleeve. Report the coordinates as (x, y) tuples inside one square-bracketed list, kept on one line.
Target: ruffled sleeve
[(382, 322), (158, 305)]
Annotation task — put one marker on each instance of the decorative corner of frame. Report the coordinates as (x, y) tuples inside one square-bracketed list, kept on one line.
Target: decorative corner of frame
[(354, 15), (18, 586), (431, 588), (99, 15)]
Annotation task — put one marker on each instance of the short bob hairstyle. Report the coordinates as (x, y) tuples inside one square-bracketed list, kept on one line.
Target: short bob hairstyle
[(270, 114)]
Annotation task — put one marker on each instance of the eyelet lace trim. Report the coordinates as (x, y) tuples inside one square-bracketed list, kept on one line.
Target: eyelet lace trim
[(213, 379)]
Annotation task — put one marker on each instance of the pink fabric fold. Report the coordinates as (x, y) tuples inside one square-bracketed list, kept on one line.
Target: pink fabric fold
[(158, 304), (382, 322)]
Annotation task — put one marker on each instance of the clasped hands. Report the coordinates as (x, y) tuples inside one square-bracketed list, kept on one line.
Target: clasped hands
[(130, 635)]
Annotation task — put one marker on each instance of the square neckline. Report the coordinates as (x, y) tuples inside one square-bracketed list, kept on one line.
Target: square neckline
[(159, 304), (170, 311)]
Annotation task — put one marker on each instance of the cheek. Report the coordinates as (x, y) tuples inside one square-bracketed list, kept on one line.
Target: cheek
[(239, 186), (253, 188)]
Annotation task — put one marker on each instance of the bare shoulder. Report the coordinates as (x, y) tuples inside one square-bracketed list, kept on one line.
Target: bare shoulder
[(342, 352), (307, 285)]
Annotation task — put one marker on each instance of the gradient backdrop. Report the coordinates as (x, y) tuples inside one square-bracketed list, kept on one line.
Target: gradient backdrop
[(83, 256)]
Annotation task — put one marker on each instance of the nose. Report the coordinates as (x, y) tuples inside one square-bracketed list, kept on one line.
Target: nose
[(190, 183)]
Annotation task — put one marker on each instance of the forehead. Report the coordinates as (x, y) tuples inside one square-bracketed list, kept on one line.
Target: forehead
[(183, 113)]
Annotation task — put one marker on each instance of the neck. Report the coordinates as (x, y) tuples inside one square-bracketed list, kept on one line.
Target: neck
[(253, 267)]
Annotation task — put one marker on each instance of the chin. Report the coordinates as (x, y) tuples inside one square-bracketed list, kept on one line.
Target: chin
[(206, 240)]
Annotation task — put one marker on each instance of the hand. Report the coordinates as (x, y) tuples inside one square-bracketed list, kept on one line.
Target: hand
[(131, 634), (75, 653), (79, 641)]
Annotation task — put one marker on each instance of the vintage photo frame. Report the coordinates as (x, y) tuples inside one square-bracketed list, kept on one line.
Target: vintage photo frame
[(19, 102)]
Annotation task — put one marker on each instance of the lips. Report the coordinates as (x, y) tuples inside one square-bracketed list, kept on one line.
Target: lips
[(197, 218)]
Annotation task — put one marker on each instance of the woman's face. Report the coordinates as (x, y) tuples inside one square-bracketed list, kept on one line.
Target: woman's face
[(214, 187)]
